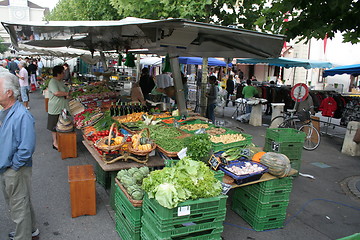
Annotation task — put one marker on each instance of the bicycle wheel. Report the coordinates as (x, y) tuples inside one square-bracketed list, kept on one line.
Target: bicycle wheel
[(276, 121), (289, 123), (312, 138)]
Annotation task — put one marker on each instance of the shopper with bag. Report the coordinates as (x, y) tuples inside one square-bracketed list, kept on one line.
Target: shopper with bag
[(58, 94)]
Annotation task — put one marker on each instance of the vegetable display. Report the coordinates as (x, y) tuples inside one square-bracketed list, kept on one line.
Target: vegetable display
[(188, 179), (132, 179), (278, 164), (227, 138), (199, 147), (248, 168)]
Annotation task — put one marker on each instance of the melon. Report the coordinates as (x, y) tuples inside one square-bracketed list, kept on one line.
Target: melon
[(278, 164)]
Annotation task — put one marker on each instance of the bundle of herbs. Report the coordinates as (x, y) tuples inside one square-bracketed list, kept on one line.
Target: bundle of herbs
[(199, 147)]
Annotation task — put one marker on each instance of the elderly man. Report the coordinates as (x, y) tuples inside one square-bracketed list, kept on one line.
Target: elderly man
[(17, 141), (3, 64)]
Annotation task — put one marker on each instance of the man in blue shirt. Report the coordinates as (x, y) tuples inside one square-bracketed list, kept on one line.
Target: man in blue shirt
[(17, 141)]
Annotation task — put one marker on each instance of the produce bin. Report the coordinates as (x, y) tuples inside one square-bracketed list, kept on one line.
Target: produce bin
[(285, 135), (292, 150), (221, 146), (203, 220), (102, 177), (241, 179)]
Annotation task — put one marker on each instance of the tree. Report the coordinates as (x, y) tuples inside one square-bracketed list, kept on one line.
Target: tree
[(82, 10), (223, 12), (3, 47), (312, 19)]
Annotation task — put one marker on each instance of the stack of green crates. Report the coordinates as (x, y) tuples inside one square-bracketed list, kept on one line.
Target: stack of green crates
[(193, 219), (263, 205), (127, 217), (287, 141), (102, 177)]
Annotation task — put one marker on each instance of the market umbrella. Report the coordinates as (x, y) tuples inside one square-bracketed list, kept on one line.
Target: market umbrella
[(198, 61), (348, 69), (287, 62)]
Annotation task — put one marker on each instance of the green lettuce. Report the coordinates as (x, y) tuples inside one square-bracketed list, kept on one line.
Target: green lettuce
[(188, 179)]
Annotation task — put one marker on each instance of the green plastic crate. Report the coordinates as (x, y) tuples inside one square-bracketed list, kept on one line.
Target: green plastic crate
[(219, 175), (124, 230), (221, 147), (355, 236), (169, 162), (285, 135), (295, 164), (207, 234), (292, 150), (196, 122), (112, 189), (276, 183), (102, 177), (263, 196), (123, 205), (259, 224), (180, 229), (260, 209), (197, 207), (255, 188)]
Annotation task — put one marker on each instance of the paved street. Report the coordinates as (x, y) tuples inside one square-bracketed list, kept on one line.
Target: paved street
[(322, 208)]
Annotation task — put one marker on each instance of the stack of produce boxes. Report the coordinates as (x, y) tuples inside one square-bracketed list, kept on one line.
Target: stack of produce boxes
[(196, 219), (287, 141), (263, 205), (127, 216)]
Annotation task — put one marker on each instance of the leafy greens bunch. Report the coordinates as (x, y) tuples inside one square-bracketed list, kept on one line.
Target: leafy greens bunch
[(188, 179), (199, 147)]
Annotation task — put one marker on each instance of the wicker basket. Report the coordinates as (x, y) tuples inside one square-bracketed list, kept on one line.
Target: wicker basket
[(138, 152), (168, 154), (100, 144), (135, 203)]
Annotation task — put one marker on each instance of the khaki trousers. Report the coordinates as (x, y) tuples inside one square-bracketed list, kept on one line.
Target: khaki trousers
[(16, 187)]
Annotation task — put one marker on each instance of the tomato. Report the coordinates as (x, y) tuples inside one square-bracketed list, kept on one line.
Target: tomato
[(128, 139), (107, 132)]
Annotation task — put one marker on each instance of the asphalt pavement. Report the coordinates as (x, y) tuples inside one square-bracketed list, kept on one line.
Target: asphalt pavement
[(322, 208)]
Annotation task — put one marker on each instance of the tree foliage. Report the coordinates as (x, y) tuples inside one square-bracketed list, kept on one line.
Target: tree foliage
[(3, 47), (82, 10), (312, 18)]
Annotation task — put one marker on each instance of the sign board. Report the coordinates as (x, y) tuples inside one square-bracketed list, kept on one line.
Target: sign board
[(299, 92), (214, 162)]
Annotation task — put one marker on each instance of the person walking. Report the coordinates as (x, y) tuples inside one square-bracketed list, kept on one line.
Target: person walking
[(13, 66), (230, 87), (58, 94), (249, 92), (24, 84), (17, 140), (146, 83), (212, 95)]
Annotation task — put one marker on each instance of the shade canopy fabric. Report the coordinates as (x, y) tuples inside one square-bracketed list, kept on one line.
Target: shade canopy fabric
[(348, 69), (180, 36), (287, 62), (198, 61)]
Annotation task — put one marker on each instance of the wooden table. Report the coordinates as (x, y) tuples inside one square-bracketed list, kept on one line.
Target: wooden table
[(154, 161)]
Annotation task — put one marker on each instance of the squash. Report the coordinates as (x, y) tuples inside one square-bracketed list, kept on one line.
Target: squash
[(257, 156), (278, 164)]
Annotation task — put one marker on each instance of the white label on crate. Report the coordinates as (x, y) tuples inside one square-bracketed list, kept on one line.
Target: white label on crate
[(183, 211), (182, 153), (225, 188)]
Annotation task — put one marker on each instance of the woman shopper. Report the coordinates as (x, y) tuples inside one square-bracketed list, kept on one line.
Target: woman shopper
[(58, 94), (230, 87)]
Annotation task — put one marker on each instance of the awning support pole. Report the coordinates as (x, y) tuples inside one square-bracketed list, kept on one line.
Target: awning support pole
[(203, 102)]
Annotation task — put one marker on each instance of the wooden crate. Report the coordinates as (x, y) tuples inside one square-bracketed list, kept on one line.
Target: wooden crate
[(67, 144), (82, 190)]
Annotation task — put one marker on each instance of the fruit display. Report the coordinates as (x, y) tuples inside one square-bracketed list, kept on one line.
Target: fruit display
[(133, 117), (87, 117)]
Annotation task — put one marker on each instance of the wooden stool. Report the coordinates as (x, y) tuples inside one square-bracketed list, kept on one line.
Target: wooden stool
[(82, 190), (67, 144)]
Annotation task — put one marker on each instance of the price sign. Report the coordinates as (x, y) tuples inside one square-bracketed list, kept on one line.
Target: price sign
[(183, 211), (275, 146), (214, 162), (225, 188)]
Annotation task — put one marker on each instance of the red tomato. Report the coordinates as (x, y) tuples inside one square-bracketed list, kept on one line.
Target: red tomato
[(128, 139)]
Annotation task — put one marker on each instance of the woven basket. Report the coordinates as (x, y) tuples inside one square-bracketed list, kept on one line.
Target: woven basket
[(138, 152), (100, 144), (168, 154), (135, 203)]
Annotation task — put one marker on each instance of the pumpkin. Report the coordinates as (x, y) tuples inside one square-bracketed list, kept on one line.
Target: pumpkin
[(278, 164), (257, 156)]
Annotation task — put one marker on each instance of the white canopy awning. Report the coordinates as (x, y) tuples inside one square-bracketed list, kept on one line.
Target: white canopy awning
[(186, 38)]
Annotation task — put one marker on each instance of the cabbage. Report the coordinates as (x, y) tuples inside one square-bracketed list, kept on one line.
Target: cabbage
[(131, 171), (144, 170), (137, 195), (138, 176)]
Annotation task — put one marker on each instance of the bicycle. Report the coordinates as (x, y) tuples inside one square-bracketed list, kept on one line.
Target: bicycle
[(302, 122)]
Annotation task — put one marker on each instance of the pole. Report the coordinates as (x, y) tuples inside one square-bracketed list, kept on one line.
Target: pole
[(137, 67), (203, 101), (179, 89)]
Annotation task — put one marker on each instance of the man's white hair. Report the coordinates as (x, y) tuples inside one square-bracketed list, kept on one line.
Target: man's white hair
[(11, 82), (22, 63)]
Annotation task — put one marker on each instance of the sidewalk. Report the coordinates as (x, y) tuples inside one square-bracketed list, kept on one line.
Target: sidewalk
[(328, 217)]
